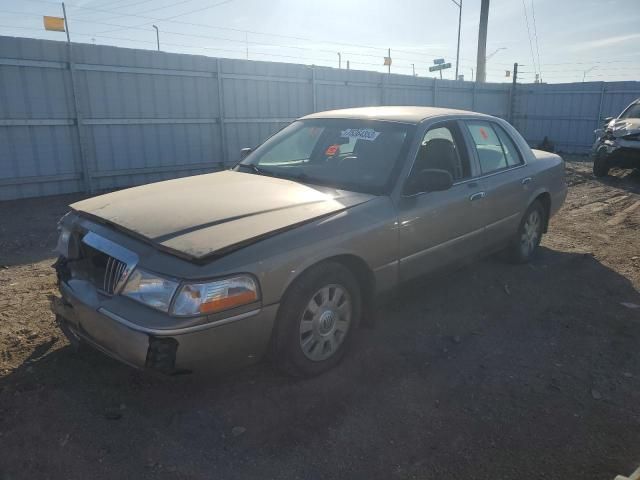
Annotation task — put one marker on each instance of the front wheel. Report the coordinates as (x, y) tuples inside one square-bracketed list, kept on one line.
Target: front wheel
[(529, 234), (317, 319), (600, 166)]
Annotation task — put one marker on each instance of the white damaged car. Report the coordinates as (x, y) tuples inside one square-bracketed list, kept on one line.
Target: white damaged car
[(618, 142)]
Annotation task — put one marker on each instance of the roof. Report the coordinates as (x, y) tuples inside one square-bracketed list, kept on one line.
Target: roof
[(395, 114)]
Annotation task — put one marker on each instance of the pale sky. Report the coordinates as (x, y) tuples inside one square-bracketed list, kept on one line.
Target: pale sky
[(598, 40)]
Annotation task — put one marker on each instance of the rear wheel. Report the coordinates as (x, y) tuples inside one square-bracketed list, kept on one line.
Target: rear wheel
[(317, 319), (529, 234)]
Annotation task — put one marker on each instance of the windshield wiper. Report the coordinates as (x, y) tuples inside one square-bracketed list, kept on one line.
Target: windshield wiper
[(253, 168)]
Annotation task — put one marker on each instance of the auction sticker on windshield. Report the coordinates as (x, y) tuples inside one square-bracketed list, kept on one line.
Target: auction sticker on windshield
[(360, 133)]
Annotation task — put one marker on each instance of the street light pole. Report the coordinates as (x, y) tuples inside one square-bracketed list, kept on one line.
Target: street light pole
[(459, 5), (157, 36), (339, 60)]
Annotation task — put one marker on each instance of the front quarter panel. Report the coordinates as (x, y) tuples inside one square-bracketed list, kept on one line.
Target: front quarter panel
[(367, 231)]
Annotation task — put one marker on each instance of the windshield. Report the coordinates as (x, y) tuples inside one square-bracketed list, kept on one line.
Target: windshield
[(359, 155), (632, 112)]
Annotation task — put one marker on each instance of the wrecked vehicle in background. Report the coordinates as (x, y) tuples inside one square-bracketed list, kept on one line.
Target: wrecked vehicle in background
[(618, 142)]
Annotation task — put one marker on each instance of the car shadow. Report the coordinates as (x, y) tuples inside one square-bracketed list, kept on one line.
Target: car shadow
[(619, 178), (484, 369)]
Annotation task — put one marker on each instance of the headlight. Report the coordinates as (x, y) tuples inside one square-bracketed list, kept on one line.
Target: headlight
[(150, 289), (212, 297)]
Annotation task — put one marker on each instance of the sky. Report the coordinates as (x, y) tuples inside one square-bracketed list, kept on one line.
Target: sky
[(561, 41)]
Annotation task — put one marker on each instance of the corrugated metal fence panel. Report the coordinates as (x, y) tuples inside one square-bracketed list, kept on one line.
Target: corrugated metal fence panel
[(492, 99), (259, 98), (38, 147), (567, 114), (146, 116)]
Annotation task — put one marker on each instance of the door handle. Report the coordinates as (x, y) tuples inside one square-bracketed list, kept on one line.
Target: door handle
[(477, 196), (526, 180)]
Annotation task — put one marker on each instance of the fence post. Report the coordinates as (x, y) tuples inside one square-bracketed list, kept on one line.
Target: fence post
[(473, 97), (435, 88), (223, 133), (512, 95), (602, 90), (86, 172), (314, 93)]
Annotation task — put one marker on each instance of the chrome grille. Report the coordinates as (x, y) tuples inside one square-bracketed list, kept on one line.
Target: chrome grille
[(107, 265), (113, 273)]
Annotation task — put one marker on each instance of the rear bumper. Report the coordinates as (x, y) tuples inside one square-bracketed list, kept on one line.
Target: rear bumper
[(218, 346)]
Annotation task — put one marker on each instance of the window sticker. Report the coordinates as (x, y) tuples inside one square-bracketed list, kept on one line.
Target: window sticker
[(484, 133), (368, 134), (332, 150)]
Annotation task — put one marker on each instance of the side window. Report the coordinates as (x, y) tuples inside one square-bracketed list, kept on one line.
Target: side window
[(442, 148), (510, 149), (488, 146)]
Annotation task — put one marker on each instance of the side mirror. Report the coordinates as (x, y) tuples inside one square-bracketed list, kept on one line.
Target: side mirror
[(607, 120), (430, 180), (244, 153), (435, 180)]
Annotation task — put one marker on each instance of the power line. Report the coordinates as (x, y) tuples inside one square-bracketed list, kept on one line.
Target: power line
[(526, 18), (202, 25), (170, 32), (535, 33), (174, 16)]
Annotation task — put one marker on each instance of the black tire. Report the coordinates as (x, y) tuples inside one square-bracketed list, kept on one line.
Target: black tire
[(521, 251), (288, 338), (600, 166)]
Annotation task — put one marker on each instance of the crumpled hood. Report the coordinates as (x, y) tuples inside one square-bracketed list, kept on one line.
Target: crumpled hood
[(624, 126), (211, 214)]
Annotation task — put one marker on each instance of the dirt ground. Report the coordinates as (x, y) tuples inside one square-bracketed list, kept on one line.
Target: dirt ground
[(493, 371)]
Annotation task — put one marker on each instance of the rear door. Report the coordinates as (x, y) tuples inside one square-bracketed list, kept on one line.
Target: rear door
[(506, 182), (441, 228)]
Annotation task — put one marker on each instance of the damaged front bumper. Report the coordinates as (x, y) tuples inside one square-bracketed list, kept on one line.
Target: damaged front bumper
[(217, 345), (617, 152)]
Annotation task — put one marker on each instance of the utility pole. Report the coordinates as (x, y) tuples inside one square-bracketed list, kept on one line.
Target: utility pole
[(339, 60), (347, 64), (66, 23), (389, 60), (512, 106), (481, 61), (246, 44), (459, 5), (157, 36), (413, 66), (472, 74)]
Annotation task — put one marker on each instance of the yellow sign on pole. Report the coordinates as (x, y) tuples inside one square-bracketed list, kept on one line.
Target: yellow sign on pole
[(387, 61), (55, 24)]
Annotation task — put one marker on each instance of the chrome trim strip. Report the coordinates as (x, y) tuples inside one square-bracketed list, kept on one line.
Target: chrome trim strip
[(502, 220), (443, 244), (177, 331)]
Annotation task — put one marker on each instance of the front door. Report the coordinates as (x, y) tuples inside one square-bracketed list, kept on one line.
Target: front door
[(443, 227)]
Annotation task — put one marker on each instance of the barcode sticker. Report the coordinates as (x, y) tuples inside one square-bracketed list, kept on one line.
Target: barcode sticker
[(368, 134)]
